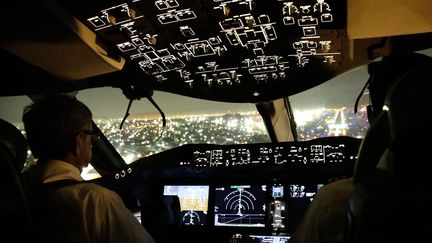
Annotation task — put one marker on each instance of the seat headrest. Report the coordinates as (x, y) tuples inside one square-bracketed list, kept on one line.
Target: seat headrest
[(12, 138), (408, 103), (404, 119), (386, 72)]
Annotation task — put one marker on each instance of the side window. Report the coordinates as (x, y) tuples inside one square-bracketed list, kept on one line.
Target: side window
[(11, 110), (328, 109)]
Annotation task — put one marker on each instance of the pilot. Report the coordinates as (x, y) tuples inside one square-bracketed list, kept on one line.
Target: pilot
[(326, 218), (66, 208)]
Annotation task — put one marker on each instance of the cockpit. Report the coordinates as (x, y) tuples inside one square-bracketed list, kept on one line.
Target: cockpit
[(248, 172)]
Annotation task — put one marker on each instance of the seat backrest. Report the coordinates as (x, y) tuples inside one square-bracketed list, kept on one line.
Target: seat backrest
[(14, 211), (392, 203), (15, 142)]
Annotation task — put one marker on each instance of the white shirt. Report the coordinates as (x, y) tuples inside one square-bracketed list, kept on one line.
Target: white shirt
[(85, 212), (60, 170)]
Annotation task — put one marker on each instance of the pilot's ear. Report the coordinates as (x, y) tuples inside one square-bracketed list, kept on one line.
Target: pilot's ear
[(78, 143)]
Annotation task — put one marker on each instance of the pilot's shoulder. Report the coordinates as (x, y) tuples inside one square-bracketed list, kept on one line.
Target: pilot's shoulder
[(97, 192), (335, 191)]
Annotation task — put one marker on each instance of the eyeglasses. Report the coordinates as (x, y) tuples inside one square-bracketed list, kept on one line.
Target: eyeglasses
[(94, 136)]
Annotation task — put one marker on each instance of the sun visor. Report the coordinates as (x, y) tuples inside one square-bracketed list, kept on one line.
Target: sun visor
[(380, 18)]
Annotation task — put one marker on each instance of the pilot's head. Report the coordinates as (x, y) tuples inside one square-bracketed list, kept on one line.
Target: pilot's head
[(59, 127), (386, 72)]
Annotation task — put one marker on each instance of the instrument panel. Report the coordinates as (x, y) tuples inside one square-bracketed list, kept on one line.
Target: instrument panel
[(220, 192), (224, 211), (228, 50)]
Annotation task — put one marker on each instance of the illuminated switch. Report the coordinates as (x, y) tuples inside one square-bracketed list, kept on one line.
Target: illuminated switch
[(210, 82), (178, 46), (144, 49), (264, 19), (219, 50), (309, 31), (233, 74), (128, 31), (172, 3), (137, 41), (258, 51), (163, 52), (307, 21), (232, 38), (161, 5), (187, 31), (126, 46), (288, 20), (312, 45), (224, 75), (96, 22), (325, 46), (214, 41), (118, 14), (167, 18), (229, 24), (298, 45), (160, 78), (327, 17), (185, 15), (189, 82), (329, 59), (187, 55)]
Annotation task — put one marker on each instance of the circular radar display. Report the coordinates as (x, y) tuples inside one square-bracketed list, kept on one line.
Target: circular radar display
[(240, 201), (240, 205)]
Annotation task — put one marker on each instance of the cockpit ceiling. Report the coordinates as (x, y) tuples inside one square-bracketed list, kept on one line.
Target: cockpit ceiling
[(381, 18), (225, 50), (239, 51)]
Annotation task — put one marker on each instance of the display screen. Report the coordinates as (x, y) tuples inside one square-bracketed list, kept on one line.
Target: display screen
[(240, 205), (270, 238), (193, 201), (300, 197)]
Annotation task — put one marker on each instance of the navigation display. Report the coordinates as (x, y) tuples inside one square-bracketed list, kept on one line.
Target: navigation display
[(240, 205), (193, 200)]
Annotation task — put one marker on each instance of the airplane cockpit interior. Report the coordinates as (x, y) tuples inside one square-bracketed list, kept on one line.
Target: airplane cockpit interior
[(225, 186)]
